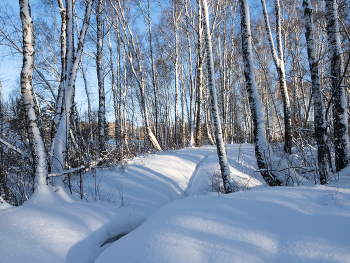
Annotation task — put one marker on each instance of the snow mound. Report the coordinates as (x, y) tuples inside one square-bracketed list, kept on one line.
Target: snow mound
[(262, 225)]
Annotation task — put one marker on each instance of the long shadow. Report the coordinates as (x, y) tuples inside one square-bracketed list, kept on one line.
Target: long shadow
[(160, 176)]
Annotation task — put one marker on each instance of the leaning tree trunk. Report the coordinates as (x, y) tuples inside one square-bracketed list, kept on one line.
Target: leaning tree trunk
[(279, 64), (35, 139), (100, 80), (320, 122), (340, 115), (224, 166), (261, 145)]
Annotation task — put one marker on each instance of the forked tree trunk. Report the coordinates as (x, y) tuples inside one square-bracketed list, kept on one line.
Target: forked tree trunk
[(224, 166), (35, 139), (261, 145), (60, 144), (340, 115), (320, 122)]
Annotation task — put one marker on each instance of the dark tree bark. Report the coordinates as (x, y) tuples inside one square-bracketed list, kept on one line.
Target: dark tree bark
[(100, 79), (320, 122), (340, 115), (261, 145), (35, 139), (224, 166)]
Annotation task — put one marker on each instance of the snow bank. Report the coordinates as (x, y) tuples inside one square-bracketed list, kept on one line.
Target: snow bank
[(53, 227), (262, 225)]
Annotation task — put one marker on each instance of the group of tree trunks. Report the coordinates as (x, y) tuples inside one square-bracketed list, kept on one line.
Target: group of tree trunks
[(209, 81)]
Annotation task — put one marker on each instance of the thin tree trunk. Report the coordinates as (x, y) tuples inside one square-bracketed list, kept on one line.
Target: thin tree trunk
[(3, 179), (224, 166), (192, 90), (198, 132), (100, 80), (279, 64)]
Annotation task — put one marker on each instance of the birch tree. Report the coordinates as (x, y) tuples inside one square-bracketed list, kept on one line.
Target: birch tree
[(133, 54), (100, 80), (340, 114), (261, 145), (320, 123), (279, 64), (224, 166), (35, 139), (73, 60), (199, 82)]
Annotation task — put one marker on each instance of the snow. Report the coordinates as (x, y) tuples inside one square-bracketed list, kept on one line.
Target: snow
[(171, 218)]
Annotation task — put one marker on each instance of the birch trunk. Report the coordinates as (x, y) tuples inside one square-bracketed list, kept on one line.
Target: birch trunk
[(340, 115), (60, 94), (320, 123), (191, 143), (176, 66), (35, 139), (224, 166), (60, 148), (261, 145), (132, 52), (279, 64), (155, 89), (100, 80), (198, 132), (115, 93), (3, 181)]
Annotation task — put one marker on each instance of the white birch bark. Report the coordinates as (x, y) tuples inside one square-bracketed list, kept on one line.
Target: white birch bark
[(115, 93), (60, 94), (60, 148), (224, 166), (320, 122), (191, 142), (131, 52), (340, 115), (261, 145), (279, 64), (199, 99), (35, 139)]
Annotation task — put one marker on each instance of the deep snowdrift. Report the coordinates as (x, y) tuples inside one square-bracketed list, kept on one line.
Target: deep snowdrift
[(263, 225), (284, 224)]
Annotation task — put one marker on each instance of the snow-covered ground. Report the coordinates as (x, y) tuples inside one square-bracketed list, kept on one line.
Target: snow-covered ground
[(162, 201)]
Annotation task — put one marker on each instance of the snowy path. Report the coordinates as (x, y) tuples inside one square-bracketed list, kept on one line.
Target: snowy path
[(164, 193), (57, 227)]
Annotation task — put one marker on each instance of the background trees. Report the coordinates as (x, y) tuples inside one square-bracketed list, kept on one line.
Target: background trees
[(146, 60)]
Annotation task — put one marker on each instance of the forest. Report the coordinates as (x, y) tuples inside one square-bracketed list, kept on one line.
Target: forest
[(165, 131), (169, 75)]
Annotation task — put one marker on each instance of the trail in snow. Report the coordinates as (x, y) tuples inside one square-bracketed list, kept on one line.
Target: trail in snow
[(249, 226), (195, 172)]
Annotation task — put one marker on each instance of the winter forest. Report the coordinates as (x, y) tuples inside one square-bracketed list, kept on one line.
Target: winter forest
[(126, 115)]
